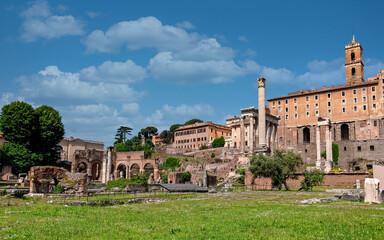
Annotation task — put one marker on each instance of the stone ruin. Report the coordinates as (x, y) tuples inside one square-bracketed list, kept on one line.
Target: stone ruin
[(41, 178)]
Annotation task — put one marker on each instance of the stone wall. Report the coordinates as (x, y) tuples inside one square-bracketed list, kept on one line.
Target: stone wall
[(330, 180)]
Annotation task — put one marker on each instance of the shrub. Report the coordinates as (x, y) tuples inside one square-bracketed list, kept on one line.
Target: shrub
[(241, 179), (164, 178), (312, 178), (186, 177), (335, 154), (218, 142), (123, 182), (58, 189), (172, 163), (203, 147), (212, 155)]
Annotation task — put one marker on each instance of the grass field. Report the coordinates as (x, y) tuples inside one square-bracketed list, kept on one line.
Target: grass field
[(235, 215)]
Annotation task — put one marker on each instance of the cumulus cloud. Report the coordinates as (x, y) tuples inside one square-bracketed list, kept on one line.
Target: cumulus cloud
[(186, 25), (164, 67), (55, 85), (243, 39), (130, 109), (8, 97), (39, 22), (121, 72), (92, 14)]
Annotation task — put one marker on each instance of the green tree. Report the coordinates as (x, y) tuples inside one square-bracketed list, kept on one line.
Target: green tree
[(335, 154), (166, 136), (192, 121), (311, 179), (218, 142), (186, 177), (122, 132), (172, 130), (280, 167), (172, 163), (19, 157), (148, 132)]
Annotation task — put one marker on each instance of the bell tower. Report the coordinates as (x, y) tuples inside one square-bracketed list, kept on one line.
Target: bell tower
[(354, 66)]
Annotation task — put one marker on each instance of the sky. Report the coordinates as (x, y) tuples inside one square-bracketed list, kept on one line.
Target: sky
[(105, 64)]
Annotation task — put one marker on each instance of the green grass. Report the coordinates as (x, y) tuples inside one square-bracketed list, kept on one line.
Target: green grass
[(236, 215)]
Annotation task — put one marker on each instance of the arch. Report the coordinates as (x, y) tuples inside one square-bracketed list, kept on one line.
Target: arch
[(353, 71), (122, 173), (135, 169), (353, 56), (344, 132), (148, 169), (96, 171), (306, 135), (82, 167)]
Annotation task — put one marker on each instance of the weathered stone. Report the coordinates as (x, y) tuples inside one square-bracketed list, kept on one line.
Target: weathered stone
[(372, 191), (18, 193), (212, 191), (350, 197)]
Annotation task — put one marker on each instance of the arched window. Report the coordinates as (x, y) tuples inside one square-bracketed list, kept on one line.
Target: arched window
[(353, 71), (344, 132), (353, 56), (306, 135)]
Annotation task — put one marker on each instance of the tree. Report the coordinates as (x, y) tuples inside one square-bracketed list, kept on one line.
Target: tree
[(148, 132), (166, 136), (335, 154), (172, 163), (186, 177), (122, 132), (218, 142), (172, 130), (192, 121), (280, 167), (32, 135), (311, 179)]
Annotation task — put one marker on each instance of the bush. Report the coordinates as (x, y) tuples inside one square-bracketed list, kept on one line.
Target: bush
[(311, 179), (186, 177), (241, 179), (119, 183), (335, 154), (58, 189), (164, 178), (203, 147), (218, 142), (123, 182), (172, 163)]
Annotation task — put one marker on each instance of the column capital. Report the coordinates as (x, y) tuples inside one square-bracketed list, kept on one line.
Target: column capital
[(261, 82)]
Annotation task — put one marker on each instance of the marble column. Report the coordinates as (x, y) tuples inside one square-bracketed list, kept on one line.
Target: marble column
[(250, 132), (104, 171), (272, 138), (109, 163), (328, 146), (127, 171), (318, 150), (242, 135), (268, 134), (262, 123)]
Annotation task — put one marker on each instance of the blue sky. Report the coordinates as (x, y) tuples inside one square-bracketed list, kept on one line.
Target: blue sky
[(104, 64)]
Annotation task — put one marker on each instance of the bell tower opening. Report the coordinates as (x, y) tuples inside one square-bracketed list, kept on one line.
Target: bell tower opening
[(354, 66)]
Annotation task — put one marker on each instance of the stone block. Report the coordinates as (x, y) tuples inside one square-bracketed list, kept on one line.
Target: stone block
[(372, 191)]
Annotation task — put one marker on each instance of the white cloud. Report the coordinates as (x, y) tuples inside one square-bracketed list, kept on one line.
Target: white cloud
[(109, 71), (186, 25), (249, 53), (52, 84), (8, 97), (130, 109), (243, 39), (39, 22), (164, 67), (92, 14)]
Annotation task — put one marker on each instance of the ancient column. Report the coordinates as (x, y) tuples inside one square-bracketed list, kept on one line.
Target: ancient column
[(251, 141), (262, 139), (127, 171), (328, 146), (109, 163), (318, 151), (155, 174), (272, 137), (104, 171), (241, 135), (268, 134)]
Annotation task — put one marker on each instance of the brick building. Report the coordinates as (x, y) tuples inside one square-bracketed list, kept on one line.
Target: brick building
[(199, 134), (355, 111)]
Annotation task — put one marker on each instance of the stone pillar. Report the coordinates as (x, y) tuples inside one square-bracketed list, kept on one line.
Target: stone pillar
[(205, 180), (262, 123), (273, 136), (318, 150), (242, 142), (109, 163), (126, 172), (268, 134), (251, 136), (104, 171), (155, 174), (328, 146), (372, 191)]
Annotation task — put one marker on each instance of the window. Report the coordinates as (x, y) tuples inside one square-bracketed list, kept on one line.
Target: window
[(354, 100), (329, 111), (353, 71), (316, 97), (279, 110), (295, 115), (295, 108), (317, 105), (273, 103), (286, 116), (355, 91), (295, 100), (364, 99), (355, 108), (329, 95), (246, 134), (286, 109), (307, 106), (374, 106), (286, 101), (281, 139), (375, 123), (329, 104), (343, 101), (317, 113), (363, 90), (353, 56), (343, 109), (345, 148), (278, 102), (306, 98), (343, 93), (364, 107), (372, 148), (373, 89), (374, 98), (359, 148), (307, 114)]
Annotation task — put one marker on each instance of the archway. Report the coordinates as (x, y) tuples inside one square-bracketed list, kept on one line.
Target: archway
[(96, 171), (82, 167), (148, 169), (306, 135), (121, 171), (135, 169), (353, 56), (344, 132)]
